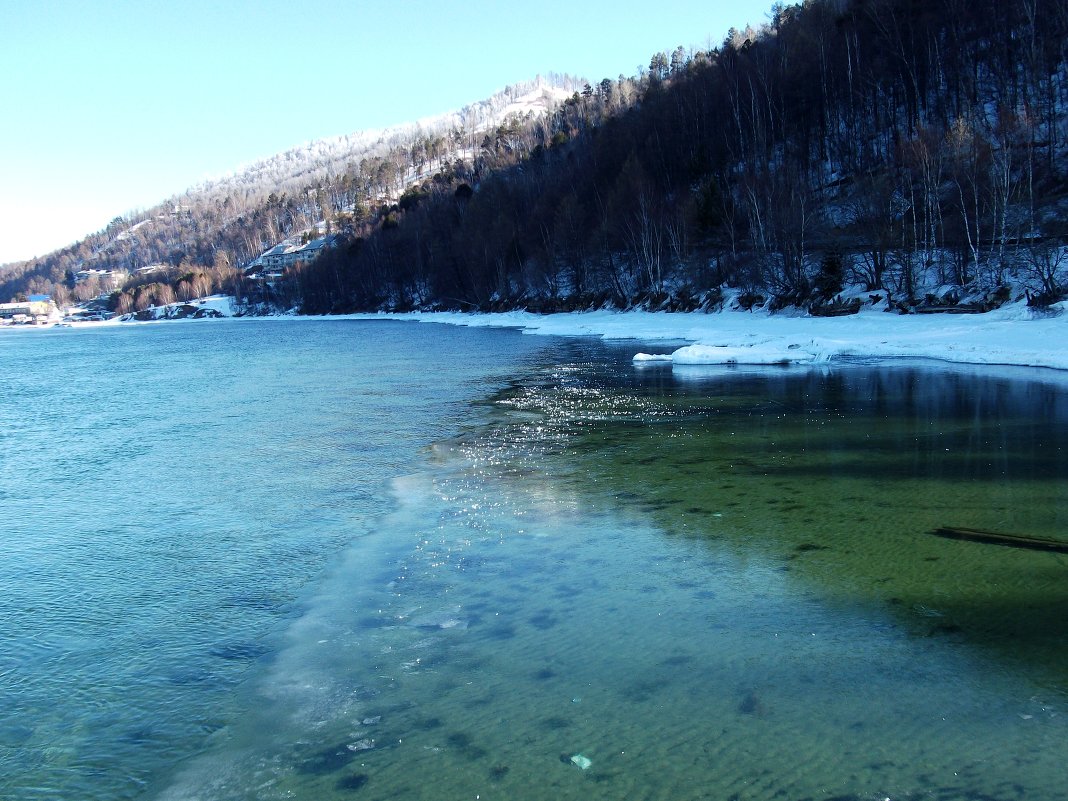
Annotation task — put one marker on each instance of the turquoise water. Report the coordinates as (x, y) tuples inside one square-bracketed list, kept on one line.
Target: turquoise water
[(171, 495), (287, 560)]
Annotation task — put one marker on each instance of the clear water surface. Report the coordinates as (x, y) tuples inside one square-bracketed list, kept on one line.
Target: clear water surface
[(330, 560)]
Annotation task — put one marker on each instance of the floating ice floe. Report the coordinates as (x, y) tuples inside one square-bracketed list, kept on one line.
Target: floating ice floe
[(755, 354), (652, 358), (723, 354), (581, 761)]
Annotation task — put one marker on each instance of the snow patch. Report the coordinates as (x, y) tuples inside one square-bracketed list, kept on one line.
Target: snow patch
[(653, 358), (768, 353)]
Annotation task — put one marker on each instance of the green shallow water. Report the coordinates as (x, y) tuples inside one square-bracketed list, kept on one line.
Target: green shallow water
[(839, 478), (713, 584)]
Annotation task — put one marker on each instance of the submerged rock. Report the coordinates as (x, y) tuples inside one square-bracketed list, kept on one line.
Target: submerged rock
[(581, 761), (439, 620), (751, 704)]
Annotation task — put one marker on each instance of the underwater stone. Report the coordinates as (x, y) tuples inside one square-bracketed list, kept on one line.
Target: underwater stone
[(354, 782), (581, 761), (439, 620)]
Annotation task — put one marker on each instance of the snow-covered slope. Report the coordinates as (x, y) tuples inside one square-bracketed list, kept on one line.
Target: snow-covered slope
[(331, 157)]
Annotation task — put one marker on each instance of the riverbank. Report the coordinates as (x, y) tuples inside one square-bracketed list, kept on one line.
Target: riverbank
[(1014, 335)]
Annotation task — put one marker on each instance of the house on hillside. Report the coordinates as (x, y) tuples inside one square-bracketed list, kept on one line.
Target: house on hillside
[(274, 262), (109, 279)]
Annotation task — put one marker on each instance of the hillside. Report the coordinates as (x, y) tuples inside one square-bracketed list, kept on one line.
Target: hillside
[(427, 143), (891, 148), (849, 152), (220, 225)]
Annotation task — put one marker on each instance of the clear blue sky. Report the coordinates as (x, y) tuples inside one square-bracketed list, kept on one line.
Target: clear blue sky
[(111, 106)]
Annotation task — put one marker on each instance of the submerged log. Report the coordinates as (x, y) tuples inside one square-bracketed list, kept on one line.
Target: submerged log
[(961, 308), (996, 538)]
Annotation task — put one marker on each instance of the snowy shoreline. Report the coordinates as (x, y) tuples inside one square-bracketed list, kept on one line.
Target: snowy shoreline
[(1014, 335)]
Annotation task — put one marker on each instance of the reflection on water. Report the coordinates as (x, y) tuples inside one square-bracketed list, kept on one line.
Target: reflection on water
[(709, 585)]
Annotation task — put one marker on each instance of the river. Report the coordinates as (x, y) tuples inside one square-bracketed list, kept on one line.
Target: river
[(337, 559)]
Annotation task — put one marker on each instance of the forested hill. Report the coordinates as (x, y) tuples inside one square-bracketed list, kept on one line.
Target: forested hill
[(908, 146), (916, 149)]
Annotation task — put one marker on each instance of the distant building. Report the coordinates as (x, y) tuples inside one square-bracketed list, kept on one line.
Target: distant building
[(272, 263), (35, 309), (111, 279)]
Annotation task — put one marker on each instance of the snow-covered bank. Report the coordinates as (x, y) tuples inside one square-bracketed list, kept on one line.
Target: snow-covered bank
[(209, 307), (1012, 335), (212, 306)]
